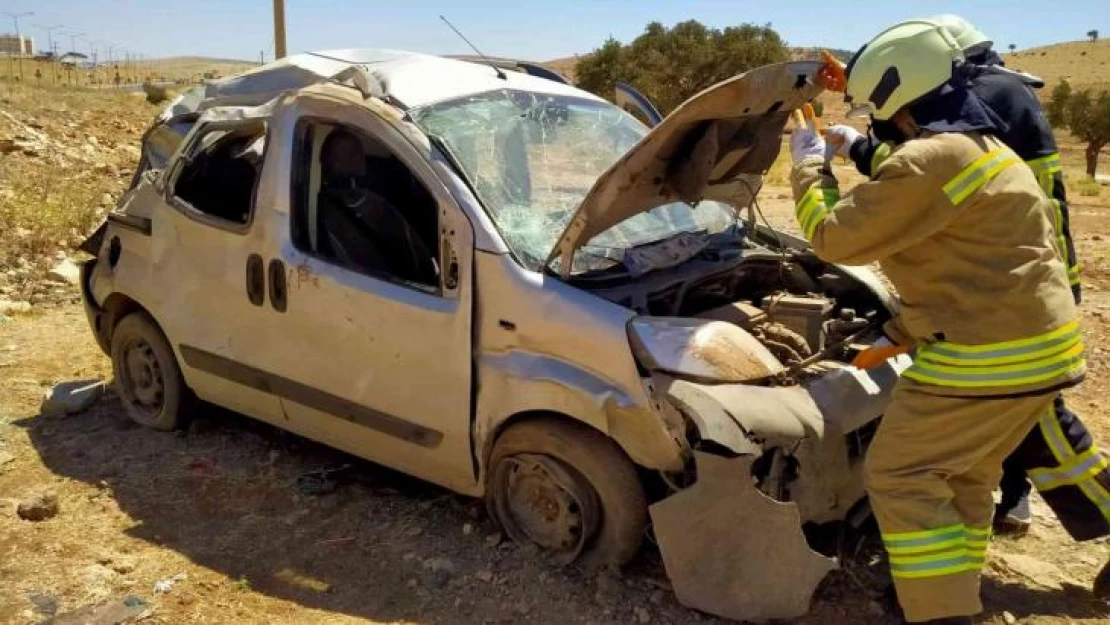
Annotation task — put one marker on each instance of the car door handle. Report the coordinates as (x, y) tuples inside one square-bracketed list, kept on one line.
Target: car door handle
[(278, 290), (256, 280), (451, 275)]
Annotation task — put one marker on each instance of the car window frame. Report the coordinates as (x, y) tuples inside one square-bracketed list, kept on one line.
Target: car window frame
[(295, 206), (184, 156)]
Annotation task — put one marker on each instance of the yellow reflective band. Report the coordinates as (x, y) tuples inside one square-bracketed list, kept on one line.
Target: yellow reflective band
[(1058, 353), (1073, 275), (1078, 468), (940, 556), (949, 550), (1097, 495), (1046, 164), (978, 534), (914, 549), (979, 173), (1045, 168), (1024, 342), (880, 154), (814, 206), (1062, 450), (1043, 347), (953, 566), (904, 538), (1054, 436), (927, 375)]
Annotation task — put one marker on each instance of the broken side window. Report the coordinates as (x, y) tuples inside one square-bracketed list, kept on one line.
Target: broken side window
[(221, 172)]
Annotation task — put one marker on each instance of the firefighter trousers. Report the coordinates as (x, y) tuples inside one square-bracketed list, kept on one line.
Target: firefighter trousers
[(930, 473), (1067, 469)]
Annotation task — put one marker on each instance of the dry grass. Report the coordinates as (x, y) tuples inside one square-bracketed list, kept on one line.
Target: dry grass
[(1088, 187), (195, 67), (1082, 63), (70, 154)]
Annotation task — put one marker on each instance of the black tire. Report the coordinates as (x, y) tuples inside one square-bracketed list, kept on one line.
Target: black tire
[(147, 376), (599, 464)]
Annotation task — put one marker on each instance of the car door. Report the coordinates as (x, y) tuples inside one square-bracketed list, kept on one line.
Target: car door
[(372, 363), (207, 235)]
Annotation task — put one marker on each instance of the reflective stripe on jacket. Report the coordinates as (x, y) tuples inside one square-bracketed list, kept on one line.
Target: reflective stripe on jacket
[(965, 233), (1050, 175), (1028, 134)]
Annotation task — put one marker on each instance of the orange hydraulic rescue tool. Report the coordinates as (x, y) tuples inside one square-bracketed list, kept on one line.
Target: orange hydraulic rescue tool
[(832, 74)]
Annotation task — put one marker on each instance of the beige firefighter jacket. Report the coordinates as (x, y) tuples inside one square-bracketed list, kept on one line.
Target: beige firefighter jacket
[(962, 229)]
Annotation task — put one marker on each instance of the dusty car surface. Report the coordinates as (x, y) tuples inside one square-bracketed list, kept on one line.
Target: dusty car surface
[(514, 290)]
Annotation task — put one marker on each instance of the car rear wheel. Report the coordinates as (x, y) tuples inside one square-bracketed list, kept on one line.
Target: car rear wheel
[(147, 376), (569, 490)]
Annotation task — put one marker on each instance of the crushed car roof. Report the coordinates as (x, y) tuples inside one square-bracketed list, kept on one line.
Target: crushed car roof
[(406, 79)]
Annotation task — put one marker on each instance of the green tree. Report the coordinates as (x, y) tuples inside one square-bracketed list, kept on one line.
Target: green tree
[(601, 70), (1088, 117), (669, 65), (1057, 107)]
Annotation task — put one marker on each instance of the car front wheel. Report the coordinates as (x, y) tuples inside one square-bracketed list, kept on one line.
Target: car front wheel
[(148, 378), (567, 489)]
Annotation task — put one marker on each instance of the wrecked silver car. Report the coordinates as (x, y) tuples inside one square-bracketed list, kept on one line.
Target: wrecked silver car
[(510, 287)]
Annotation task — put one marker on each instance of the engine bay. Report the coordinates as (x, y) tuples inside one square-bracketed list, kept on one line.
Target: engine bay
[(804, 310)]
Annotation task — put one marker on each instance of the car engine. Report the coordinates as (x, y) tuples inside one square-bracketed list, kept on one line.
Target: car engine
[(805, 311)]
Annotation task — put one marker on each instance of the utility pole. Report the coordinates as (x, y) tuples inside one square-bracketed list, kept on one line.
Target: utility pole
[(15, 18), (279, 29), (94, 50), (73, 49), (50, 45)]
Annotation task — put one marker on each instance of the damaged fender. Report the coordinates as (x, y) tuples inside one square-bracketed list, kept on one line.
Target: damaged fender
[(731, 550), (772, 577)]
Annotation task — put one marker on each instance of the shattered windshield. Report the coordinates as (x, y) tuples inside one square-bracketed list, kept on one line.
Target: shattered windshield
[(533, 158)]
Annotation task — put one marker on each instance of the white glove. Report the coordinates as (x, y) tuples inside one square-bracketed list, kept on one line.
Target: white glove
[(804, 143), (840, 139)]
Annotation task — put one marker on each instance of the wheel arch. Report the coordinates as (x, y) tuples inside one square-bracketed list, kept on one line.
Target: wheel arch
[(541, 415), (117, 306)]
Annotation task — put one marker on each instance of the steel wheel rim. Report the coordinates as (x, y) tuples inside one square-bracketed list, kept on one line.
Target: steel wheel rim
[(142, 380), (542, 501)]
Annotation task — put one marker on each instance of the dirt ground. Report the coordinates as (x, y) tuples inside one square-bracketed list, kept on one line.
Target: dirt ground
[(220, 510)]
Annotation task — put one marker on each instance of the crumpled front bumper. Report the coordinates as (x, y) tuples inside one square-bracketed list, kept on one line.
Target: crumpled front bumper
[(728, 547)]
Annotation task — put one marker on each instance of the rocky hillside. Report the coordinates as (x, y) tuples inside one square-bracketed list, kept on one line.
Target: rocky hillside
[(65, 158)]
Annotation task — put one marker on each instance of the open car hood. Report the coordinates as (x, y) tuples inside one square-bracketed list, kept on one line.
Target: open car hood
[(715, 146)]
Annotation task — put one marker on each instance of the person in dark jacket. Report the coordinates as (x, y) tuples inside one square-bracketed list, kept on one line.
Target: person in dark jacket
[(1059, 455)]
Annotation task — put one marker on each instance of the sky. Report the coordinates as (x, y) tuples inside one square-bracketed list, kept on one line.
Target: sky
[(526, 29)]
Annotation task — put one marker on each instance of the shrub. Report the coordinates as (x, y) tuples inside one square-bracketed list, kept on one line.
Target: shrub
[(155, 94), (1089, 187)]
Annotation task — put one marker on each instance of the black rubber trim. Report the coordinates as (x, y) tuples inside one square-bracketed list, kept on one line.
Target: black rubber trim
[(131, 222), (311, 397)]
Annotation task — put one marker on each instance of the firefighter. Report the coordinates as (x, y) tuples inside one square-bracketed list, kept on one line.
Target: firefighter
[(961, 228), (1059, 453)]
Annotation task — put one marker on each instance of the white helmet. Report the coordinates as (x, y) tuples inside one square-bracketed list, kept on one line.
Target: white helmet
[(901, 65), (971, 39)]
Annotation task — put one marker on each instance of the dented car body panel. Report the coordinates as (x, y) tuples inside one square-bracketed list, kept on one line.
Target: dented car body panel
[(423, 370)]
